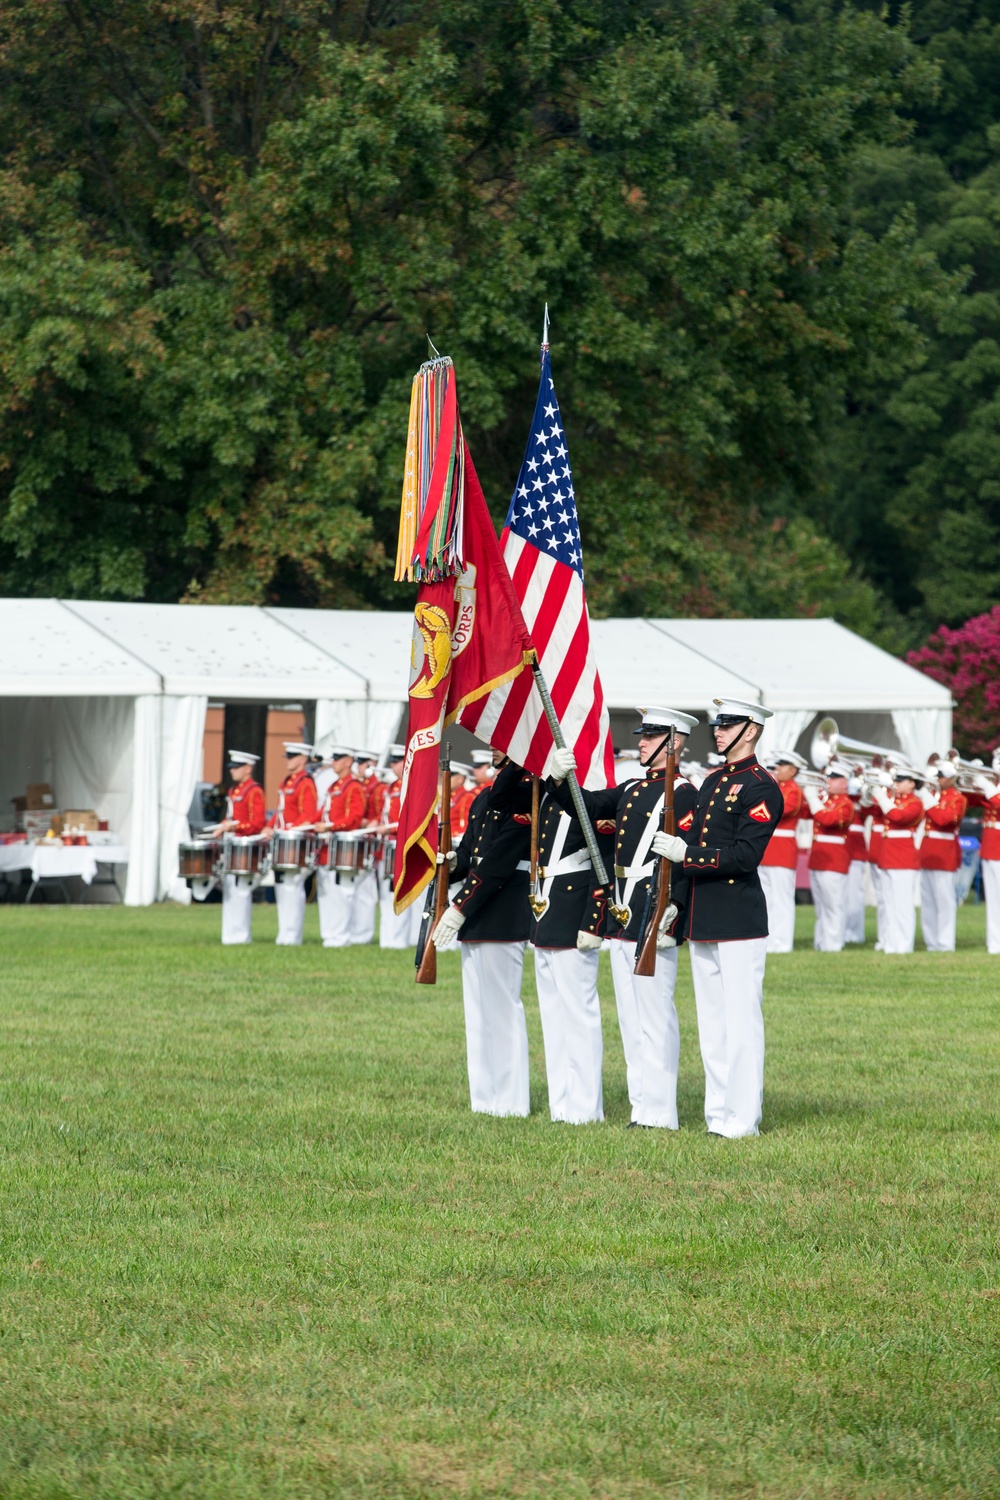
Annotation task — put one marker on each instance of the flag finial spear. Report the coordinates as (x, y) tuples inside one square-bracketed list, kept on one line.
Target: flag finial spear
[(545, 328)]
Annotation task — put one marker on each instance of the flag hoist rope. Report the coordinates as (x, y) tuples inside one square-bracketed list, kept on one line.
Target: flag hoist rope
[(579, 806)]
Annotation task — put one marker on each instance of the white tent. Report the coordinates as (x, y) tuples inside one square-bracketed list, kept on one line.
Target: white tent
[(107, 702)]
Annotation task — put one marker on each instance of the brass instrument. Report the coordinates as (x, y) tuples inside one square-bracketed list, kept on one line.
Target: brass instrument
[(967, 772), (829, 744)]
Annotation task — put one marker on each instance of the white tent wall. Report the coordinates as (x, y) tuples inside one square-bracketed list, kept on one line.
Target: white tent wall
[(182, 736), (782, 731), (356, 723), (922, 731)]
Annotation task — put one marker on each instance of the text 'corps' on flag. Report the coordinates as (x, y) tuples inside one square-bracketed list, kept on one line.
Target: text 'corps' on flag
[(542, 551), (469, 637)]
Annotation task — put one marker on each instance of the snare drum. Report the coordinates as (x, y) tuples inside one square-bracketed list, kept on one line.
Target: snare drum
[(389, 860), (198, 859), (245, 856), (293, 849), (352, 853)]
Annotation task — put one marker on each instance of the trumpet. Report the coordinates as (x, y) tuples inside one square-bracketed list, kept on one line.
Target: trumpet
[(969, 772)]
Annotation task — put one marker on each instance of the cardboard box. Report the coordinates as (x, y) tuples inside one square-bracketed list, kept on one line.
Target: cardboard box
[(82, 818), (39, 795), (36, 822)]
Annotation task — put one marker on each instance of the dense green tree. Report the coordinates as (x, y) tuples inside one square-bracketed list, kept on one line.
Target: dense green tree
[(227, 229), (915, 460)]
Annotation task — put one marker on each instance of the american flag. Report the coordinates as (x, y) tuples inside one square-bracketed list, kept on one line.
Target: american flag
[(541, 547)]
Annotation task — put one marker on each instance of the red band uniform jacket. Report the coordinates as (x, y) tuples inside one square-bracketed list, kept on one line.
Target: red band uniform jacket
[(940, 848), (461, 806), (990, 847), (738, 808), (246, 804), (297, 802), (830, 827), (566, 875), (898, 849), (493, 863), (783, 849), (346, 805), (636, 811), (857, 849)]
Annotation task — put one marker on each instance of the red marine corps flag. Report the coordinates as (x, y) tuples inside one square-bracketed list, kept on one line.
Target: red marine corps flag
[(469, 636)]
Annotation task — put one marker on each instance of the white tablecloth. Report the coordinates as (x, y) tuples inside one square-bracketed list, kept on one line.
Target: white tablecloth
[(59, 861)]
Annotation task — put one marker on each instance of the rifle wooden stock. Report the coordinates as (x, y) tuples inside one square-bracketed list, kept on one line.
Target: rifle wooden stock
[(645, 965), (427, 972)]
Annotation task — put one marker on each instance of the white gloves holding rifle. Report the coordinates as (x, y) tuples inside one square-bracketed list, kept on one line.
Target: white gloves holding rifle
[(663, 938), (451, 923), (669, 846), (451, 857), (563, 761)]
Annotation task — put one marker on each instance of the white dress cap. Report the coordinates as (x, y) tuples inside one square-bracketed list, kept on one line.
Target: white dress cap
[(336, 752), (298, 747), (664, 719), (733, 710), (397, 752), (790, 757), (942, 768), (482, 757), (242, 758), (838, 768), (458, 769), (365, 755)]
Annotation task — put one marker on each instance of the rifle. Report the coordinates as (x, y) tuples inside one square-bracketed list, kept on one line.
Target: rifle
[(534, 900), (645, 965), (427, 954)]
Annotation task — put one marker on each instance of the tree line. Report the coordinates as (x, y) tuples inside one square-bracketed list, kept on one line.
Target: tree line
[(768, 237)]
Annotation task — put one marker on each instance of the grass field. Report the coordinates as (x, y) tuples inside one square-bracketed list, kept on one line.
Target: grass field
[(254, 1243)]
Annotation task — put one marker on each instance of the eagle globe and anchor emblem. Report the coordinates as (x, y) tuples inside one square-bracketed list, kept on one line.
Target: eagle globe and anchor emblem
[(436, 642)]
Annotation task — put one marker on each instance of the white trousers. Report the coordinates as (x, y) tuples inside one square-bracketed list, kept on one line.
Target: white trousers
[(938, 910), (401, 931), (571, 1030), (237, 905), (880, 918), (496, 1035), (854, 931), (899, 889), (335, 904), (991, 892), (363, 908), (829, 888), (651, 1035), (290, 899), (729, 995), (779, 893)]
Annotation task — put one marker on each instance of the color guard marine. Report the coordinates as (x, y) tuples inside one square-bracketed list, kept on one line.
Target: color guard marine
[(565, 971), (724, 915), (491, 917), (646, 1012)]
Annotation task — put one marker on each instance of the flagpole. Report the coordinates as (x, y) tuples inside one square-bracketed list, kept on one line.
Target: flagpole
[(579, 805), (545, 328)]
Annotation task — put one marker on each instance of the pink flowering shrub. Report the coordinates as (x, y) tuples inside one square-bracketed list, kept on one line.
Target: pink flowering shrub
[(967, 660)]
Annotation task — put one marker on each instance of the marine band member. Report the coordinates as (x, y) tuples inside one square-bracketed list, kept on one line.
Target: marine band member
[(364, 902), (988, 797), (829, 858), (297, 808), (781, 857), (899, 859), (343, 811), (403, 930), (725, 916), (940, 857), (246, 815)]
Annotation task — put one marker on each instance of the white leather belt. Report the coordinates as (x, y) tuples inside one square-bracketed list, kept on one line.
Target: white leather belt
[(783, 833), (934, 833), (898, 833), (635, 872), (829, 838), (522, 864), (568, 865)]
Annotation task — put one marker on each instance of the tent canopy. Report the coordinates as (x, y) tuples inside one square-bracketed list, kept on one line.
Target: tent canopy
[(46, 652)]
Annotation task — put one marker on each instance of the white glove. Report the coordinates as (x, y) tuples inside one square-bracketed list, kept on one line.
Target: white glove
[(451, 857), (866, 799), (985, 785), (563, 761), (588, 942), (663, 938), (814, 799), (881, 796), (449, 926), (669, 846), (928, 796)]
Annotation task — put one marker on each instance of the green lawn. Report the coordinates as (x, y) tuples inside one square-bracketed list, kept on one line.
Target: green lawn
[(254, 1243)]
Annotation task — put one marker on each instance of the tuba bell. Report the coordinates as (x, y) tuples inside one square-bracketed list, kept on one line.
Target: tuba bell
[(967, 772), (828, 743)]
